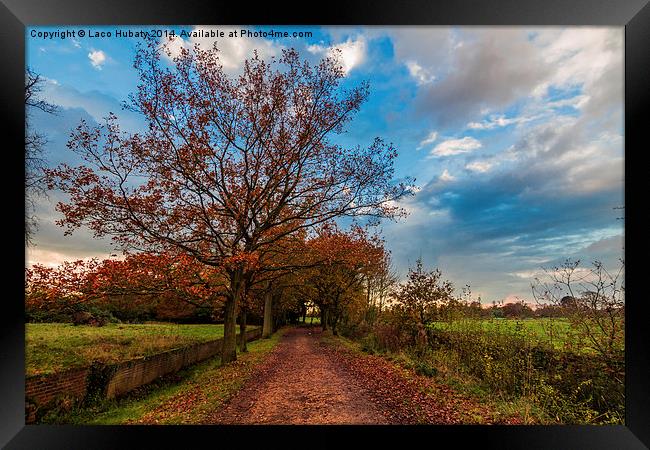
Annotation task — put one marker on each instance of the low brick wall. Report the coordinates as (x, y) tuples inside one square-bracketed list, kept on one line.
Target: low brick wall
[(134, 373), (114, 380), (42, 389)]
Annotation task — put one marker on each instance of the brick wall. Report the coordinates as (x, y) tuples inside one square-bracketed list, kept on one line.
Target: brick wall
[(124, 377), (134, 373), (45, 388)]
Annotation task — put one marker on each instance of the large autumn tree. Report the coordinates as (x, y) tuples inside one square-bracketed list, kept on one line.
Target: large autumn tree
[(228, 165)]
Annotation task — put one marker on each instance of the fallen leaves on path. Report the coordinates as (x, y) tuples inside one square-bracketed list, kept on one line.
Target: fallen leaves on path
[(301, 384)]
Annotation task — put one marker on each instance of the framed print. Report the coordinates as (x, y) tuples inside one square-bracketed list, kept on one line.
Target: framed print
[(408, 221)]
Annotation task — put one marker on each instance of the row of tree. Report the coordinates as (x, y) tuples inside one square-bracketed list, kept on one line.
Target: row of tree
[(331, 271)]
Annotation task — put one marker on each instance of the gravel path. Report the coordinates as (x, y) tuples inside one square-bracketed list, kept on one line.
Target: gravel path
[(300, 383)]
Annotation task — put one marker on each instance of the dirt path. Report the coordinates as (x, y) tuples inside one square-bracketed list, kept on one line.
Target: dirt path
[(299, 383)]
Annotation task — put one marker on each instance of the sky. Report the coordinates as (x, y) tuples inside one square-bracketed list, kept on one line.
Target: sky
[(514, 135)]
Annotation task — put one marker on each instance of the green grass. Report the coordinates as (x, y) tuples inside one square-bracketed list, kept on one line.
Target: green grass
[(310, 320), (190, 396), (555, 332), (52, 347)]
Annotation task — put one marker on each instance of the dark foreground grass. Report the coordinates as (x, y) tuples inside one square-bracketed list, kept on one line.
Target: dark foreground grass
[(189, 396), (52, 347)]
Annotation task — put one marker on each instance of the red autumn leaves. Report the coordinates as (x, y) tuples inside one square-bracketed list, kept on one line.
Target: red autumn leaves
[(142, 277)]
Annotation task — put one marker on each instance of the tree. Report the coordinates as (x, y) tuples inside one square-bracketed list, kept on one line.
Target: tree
[(169, 281), (228, 166), (34, 144), (517, 309), (421, 296), (568, 302), (383, 281), (594, 301)]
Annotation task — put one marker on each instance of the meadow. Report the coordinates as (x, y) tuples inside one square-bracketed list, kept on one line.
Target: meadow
[(553, 332), (52, 347)]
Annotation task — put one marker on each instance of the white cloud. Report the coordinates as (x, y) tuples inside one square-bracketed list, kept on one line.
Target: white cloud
[(421, 75), (232, 51), (452, 147), (353, 53), (430, 139), (577, 102), (53, 81), (493, 68), (588, 58), (580, 274), (446, 176), (479, 68), (52, 258), (499, 121), (579, 55), (479, 166), (95, 103), (174, 45), (97, 58), (316, 49), (427, 48), (350, 53)]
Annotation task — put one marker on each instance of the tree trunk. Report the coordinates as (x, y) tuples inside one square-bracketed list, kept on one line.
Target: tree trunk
[(422, 340), (368, 316), (242, 331), (323, 318), (229, 347), (267, 327), (335, 321)]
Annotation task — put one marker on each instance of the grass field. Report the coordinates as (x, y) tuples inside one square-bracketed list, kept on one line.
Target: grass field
[(310, 320), (52, 347), (555, 332)]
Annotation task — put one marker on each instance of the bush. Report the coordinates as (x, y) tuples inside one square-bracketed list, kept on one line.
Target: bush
[(355, 331), (390, 337), (44, 316)]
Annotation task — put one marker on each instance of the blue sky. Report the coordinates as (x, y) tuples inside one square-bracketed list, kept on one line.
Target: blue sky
[(514, 136)]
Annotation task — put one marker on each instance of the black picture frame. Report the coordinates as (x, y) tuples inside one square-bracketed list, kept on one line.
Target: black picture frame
[(634, 15)]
